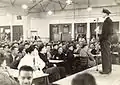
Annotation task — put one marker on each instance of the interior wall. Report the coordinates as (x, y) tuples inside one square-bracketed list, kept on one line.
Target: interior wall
[(8, 19), (71, 16), (41, 21), (42, 27)]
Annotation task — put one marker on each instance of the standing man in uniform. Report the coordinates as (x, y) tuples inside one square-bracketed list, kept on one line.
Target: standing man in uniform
[(107, 31)]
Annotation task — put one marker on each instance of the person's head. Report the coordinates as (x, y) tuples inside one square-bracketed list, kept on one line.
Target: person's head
[(6, 47), (26, 45), (92, 46), (42, 48), (55, 46), (106, 13), (16, 44), (14, 50), (84, 79), (30, 49), (71, 47), (25, 75), (60, 50), (77, 45), (48, 47), (21, 48), (2, 56)]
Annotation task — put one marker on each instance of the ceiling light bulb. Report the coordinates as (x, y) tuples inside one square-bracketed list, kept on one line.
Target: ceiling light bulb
[(24, 6), (89, 9), (50, 12), (69, 2)]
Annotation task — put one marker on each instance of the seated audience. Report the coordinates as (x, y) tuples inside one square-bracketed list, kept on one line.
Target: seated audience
[(55, 73), (5, 77)]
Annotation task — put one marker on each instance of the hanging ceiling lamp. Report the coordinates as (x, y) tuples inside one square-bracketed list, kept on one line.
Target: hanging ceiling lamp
[(50, 12), (89, 7), (24, 6), (68, 2)]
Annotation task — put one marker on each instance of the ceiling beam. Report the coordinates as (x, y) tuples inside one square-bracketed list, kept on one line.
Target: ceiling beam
[(47, 5), (92, 7), (57, 2), (35, 5), (42, 7), (12, 2), (60, 5)]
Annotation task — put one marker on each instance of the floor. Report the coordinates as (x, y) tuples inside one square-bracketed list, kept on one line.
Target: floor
[(105, 79)]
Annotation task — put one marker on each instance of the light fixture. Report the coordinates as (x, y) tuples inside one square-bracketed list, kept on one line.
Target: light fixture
[(89, 9), (33, 1), (69, 2), (24, 6), (50, 12)]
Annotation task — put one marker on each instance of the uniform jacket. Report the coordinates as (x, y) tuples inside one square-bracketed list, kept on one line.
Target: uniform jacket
[(107, 29)]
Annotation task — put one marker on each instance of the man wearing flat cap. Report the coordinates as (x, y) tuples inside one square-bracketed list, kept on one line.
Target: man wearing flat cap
[(107, 31)]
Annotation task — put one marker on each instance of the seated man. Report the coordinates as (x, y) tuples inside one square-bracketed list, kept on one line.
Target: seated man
[(25, 75)]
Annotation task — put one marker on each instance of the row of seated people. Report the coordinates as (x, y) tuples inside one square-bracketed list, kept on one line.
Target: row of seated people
[(25, 75), (37, 55), (28, 54)]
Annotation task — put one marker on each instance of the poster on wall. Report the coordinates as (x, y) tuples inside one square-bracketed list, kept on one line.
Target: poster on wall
[(5, 33)]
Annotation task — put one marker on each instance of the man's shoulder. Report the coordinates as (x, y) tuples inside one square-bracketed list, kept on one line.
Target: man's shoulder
[(6, 80), (109, 19)]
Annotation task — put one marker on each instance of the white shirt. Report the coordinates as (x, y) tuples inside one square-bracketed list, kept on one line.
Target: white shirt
[(34, 61)]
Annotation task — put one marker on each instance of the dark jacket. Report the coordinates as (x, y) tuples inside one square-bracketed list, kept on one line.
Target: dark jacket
[(70, 55), (60, 56), (107, 29), (12, 64), (54, 52)]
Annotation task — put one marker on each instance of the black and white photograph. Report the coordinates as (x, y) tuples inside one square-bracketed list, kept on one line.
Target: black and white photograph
[(59, 42)]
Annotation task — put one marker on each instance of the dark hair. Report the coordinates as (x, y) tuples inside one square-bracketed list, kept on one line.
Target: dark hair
[(59, 47), (84, 79), (26, 43), (20, 49), (55, 44), (30, 49), (13, 47), (41, 47), (2, 56), (25, 68)]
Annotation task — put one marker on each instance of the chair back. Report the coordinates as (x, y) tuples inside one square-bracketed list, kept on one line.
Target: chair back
[(84, 61)]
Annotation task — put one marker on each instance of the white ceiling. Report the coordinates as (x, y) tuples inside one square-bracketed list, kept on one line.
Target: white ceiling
[(45, 5)]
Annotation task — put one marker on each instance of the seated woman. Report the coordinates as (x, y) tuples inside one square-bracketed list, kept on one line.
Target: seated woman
[(32, 59), (69, 58), (78, 48), (84, 79), (85, 53), (60, 55), (5, 77), (55, 73)]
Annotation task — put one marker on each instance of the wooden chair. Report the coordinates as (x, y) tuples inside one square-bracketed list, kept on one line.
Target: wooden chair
[(83, 62), (80, 64)]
